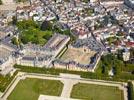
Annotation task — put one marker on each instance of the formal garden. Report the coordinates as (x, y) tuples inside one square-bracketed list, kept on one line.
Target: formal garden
[(31, 88), (96, 92), (122, 72)]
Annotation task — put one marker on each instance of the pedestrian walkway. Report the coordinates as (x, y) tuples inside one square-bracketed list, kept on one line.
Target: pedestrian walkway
[(46, 97), (68, 85)]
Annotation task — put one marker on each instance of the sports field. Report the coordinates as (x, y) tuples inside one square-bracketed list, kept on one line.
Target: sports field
[(31, 88), (77, 56), (96, 92)]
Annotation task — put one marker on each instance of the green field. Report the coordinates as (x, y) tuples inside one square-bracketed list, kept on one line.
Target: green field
[(96, 92), (30, 89)]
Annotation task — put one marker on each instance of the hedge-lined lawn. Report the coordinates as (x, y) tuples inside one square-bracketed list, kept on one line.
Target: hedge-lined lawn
[(31, 88), (96, 92)]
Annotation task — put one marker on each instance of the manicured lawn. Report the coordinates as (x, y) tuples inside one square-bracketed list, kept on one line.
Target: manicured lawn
[(30, 89), (96, 92)]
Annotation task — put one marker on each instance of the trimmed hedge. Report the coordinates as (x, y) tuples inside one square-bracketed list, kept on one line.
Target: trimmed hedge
[(0, 2), (5, 81), (90, 75), (130, 91)]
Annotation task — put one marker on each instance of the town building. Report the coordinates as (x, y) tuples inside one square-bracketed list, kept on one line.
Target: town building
[(42, 56), (83, 55), (7, 58), (129, 3)]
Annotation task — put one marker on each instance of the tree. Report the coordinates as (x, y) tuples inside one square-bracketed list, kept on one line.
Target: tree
[(0, 2), (110, 61), (34, 35), (15, 41), (120, 54), (26, 24), (46, 25), (86, 1), (14, 20), (31, 32), (21, 0), (104, 69), (132, 53)]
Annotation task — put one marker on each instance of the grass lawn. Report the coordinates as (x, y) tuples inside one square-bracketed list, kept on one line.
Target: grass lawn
[(31, 88), (96, 92)]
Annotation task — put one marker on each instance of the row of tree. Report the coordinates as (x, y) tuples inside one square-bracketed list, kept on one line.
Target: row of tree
[(130, 91), (111, 62), (0, 2)]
